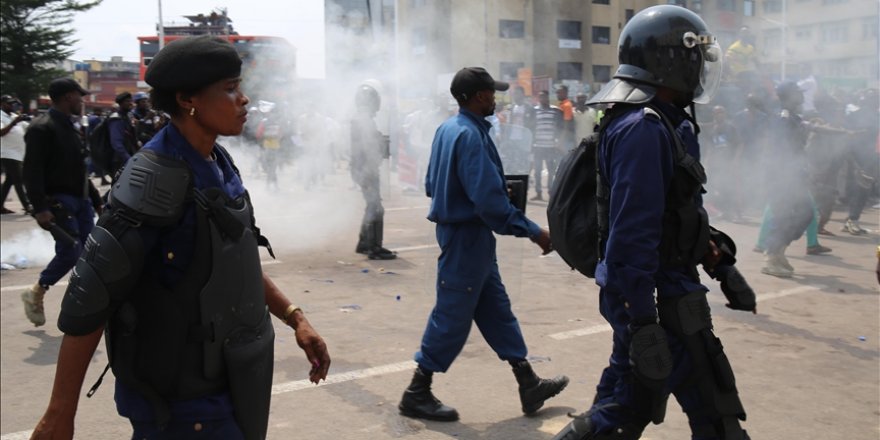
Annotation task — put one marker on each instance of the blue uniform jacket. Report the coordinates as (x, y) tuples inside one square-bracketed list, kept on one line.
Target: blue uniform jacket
[(636, 159), (465, 179)]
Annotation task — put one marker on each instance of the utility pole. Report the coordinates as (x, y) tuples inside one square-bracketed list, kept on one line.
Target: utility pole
[(161, 28)]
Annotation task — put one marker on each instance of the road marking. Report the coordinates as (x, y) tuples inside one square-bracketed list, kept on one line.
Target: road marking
[(343, 377), (787, 292), (407, 208), (64, 283), (414, 248), (561, 336), (408, 365), (601, 328)]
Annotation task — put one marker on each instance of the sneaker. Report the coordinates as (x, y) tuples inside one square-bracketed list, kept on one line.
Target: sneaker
[(853, 228), (537, 197), (826, 232), (818, 250), (33, 304), (777, 266), (758, 249)]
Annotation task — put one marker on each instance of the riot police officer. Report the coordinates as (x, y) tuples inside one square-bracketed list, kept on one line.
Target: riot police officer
[(369, 147), (172, 272), (653, 234)]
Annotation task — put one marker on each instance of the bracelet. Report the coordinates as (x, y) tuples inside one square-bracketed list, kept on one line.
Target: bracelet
[(288, 313)]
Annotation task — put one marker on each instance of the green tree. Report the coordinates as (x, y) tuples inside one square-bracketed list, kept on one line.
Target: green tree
[(34, 38)]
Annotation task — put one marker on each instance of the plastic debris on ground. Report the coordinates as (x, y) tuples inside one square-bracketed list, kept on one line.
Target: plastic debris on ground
[(365, 270), (348, 308)]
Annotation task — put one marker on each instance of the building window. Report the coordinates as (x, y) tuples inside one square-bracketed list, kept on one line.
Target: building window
[(682, 3), (834, 33), (697, 6), (803, 33), (568, 30), (601, 35), (601, 2), (749, 8), (601, 74), (772, 6), (727, 5), (510, 70), (570, 71), (869, 28), (511, 28), (569, 34), (629, 14)]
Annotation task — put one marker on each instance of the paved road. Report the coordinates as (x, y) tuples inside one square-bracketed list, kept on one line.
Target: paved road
[(808, 364)]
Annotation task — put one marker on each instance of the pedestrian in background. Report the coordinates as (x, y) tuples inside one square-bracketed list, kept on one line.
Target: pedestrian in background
[(57, 183), (12, 128)]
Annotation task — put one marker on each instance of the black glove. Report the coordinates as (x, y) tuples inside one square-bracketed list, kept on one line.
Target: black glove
[(739, 294)]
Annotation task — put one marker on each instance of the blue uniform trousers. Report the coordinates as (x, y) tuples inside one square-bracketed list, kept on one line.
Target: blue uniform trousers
[(469, 289), (79, 225), (616, 384), (225, 428)]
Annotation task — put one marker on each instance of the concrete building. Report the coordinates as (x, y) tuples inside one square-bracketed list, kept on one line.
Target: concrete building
[(532, 41), (836, 40)]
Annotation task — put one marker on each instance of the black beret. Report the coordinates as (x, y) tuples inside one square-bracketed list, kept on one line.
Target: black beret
[(191, 63)]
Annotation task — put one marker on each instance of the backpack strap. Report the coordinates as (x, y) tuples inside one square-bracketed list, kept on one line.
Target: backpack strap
[(682, 158)]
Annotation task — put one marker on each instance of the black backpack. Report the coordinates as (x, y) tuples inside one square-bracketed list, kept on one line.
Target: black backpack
[(572, 212), (100, 149)]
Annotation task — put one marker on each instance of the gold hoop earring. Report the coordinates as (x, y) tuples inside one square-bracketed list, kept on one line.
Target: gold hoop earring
[(192, 111)]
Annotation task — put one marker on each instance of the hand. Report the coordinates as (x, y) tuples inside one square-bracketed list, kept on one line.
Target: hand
[(19, 118), (316, 350), (543, 241), (53, 427), (712, 257), (45, 219)]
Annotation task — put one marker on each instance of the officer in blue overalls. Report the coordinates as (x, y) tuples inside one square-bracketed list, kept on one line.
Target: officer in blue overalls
[(172, 273), (653, 234), (469, 202)]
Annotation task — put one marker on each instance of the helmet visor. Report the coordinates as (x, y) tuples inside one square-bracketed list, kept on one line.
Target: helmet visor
[(710, 74)]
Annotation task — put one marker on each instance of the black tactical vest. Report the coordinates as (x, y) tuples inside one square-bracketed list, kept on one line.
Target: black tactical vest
[(209, 334)]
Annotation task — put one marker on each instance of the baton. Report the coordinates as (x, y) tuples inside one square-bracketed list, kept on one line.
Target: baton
[(61, 235)]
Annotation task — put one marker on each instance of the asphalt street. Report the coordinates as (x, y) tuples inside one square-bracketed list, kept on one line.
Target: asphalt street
[(807, 364)]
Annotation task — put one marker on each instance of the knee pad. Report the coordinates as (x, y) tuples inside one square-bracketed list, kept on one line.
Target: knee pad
[(688, 317)]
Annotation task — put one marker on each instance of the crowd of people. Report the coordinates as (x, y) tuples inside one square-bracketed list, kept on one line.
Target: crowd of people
[(170, 274)]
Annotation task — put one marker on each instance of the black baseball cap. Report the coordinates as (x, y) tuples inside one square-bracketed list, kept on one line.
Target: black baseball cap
[(8, 99), (471, 80), (61, 86)]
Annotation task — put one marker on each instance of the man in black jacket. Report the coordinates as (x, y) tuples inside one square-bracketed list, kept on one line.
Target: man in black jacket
[(55, 176)]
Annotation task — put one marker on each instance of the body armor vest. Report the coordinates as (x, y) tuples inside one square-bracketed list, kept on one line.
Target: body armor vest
[(209, 334)]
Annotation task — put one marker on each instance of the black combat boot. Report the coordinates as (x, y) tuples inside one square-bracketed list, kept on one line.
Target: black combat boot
[(418, 401), (533, 390)]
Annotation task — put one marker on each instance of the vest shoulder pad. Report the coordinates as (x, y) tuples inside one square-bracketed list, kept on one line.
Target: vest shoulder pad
[(153, 187)]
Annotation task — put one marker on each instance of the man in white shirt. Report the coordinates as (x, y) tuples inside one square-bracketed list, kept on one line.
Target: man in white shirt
[(12, 127)]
